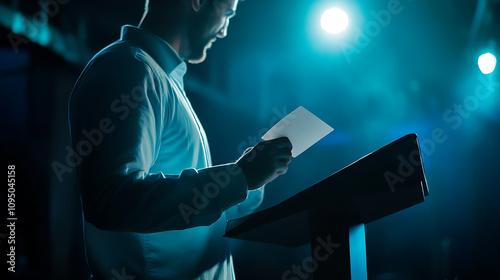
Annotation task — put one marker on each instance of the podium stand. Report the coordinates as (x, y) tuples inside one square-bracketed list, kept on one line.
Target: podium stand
[(331, 214)]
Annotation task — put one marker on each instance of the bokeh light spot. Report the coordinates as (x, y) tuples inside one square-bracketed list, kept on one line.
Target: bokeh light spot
[(334, 20), (487, 63)]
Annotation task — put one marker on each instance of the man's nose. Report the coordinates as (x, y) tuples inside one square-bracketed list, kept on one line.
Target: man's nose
[(223, 31)]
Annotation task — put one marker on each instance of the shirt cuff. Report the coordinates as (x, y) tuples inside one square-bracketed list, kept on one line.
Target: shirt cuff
[(227, 184)]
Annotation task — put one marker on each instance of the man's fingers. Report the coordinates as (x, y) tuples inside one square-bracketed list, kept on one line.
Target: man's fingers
[(282, 168), (284, 157), (282, 142), (266, 161), (282, 153)]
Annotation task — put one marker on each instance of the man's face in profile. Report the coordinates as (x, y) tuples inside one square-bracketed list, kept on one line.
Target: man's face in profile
[(211, 23)]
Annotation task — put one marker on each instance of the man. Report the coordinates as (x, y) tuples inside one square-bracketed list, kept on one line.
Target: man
[(154, 207)]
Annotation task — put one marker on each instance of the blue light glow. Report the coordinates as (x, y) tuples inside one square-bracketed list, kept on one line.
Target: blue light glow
[(334, 20), (487, 63)]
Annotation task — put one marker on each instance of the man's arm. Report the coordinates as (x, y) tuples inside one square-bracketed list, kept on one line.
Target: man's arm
[(116, 108)]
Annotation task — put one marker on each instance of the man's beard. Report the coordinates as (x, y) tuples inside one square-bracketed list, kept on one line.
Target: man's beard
[(200, 53)]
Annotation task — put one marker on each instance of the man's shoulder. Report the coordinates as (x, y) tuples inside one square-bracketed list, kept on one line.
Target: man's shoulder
[(119, 54), (115, 66), (119, 61)]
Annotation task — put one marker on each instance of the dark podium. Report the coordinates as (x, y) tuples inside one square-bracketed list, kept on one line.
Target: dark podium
[(331, 214)]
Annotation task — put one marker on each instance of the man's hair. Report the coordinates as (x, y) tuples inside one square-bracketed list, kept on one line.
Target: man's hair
[(159, 4), (149, 3), (156, 4)]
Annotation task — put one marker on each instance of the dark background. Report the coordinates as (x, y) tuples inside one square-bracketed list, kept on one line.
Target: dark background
[(373, 85)]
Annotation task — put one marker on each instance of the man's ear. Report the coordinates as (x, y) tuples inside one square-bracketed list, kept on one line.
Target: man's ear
[(196, 4)]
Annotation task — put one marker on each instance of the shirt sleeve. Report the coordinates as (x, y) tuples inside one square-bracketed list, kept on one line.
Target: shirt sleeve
[(116, 119), (247, 207)]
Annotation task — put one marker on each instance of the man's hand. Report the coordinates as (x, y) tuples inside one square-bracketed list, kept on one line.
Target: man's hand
[(265, 161)]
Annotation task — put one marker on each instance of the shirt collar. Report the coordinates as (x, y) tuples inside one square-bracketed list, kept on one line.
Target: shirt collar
[(157, 48)]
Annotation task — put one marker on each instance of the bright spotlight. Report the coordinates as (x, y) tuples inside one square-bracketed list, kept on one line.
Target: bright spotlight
[(487, 63), (334, 20)]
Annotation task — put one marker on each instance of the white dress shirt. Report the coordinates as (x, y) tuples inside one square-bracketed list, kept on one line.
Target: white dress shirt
[(154, 207)]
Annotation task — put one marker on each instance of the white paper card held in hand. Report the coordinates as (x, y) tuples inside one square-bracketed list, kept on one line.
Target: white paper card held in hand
[(301, 127)]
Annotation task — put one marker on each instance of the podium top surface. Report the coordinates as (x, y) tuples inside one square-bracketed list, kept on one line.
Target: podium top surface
[(379, 184)]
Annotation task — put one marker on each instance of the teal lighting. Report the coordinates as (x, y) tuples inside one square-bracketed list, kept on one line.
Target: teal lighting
[(37, 29), (334, 20), (487, 63)]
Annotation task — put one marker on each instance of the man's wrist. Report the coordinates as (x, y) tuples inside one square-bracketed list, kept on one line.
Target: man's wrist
[(227, 183)]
